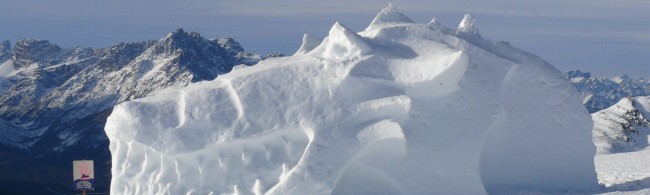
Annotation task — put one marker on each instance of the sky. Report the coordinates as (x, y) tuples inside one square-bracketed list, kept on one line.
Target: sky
[(605, 37)]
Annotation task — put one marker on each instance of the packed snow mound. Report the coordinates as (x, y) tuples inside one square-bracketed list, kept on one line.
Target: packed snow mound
[(623, 127), (404, 109), (308, 43), (389, 16), (468, 25)]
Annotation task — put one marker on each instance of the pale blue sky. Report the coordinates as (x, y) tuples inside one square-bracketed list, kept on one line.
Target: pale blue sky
[(606, 37)]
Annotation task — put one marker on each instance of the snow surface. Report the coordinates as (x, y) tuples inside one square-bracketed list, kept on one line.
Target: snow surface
[(387, 17), (624, 173), (400, 108), (308, 43), (7, 70), (468, 25)]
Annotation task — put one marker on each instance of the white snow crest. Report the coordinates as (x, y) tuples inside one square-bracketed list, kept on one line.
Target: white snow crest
[(342, 43), (434, 22), (468, 25), (397, 109), (308, 43), (389, 16)]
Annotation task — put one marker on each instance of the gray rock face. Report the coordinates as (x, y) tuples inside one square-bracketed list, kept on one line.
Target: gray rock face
[(229, 44), (601, 92), (5, 50)]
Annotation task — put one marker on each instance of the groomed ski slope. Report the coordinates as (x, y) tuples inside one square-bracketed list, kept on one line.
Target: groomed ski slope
[(400, 108)]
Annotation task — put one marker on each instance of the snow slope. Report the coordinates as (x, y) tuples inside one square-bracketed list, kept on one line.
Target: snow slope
[(624, 173), (400, 108), (623, 127), (308, 43)]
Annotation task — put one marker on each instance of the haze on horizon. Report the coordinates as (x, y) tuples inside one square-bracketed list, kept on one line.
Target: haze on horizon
[(607, 38)]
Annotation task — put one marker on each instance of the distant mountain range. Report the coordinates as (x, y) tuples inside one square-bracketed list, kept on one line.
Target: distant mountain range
[(620, 110), (602, 92), (54, 101)]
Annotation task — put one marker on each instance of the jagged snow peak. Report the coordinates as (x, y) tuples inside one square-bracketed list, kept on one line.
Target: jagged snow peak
[(308, 43), (434, 22), (389, 16), (341, 43), (468, 25), (404, 109)]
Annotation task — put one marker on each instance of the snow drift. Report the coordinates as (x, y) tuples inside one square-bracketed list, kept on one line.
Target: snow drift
[(400, 108)]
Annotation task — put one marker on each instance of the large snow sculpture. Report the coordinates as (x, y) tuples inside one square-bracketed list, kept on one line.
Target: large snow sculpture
[(400, 108)]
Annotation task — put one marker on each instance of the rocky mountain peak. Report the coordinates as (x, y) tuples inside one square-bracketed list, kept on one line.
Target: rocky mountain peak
[(5, 50), (5, 46), (623, 127), (577, 73), (203, 58), (29, 51), (230, 45), (119, 55)]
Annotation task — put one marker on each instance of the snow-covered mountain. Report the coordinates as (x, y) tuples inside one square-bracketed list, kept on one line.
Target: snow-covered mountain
[(54, 101), (619, 108), (602, 92), (399, 108), (623, 127)]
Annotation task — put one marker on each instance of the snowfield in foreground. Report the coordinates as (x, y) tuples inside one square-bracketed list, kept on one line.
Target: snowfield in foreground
[(400, 108), (624, 173)]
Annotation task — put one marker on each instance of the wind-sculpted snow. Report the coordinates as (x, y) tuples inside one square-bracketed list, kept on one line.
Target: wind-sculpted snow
[(389, 16), (396, 109), (468, 25), (308, 43)]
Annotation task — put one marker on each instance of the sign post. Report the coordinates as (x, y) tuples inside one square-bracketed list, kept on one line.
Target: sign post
[(83, 175)]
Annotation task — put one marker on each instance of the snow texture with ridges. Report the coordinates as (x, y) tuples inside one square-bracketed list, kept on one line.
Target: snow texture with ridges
[(389, 16), (396, 109), (624, 173), (468, 25), (308, 43)]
